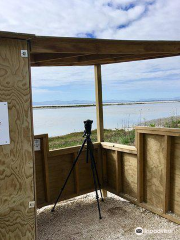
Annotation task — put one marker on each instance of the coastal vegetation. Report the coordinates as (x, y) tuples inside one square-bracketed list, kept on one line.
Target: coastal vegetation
[(121, 136), (117, 136)]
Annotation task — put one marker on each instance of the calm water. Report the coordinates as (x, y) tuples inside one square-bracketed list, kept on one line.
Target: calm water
[(62, 121)]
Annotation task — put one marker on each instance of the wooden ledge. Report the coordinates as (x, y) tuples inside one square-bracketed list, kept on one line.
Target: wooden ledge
[(119, 147), (67, 150), (158, 131)]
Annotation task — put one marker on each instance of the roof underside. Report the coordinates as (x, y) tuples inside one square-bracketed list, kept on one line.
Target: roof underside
[(60, 51)]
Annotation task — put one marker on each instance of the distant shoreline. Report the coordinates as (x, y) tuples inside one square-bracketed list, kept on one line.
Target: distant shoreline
[(104, 104)]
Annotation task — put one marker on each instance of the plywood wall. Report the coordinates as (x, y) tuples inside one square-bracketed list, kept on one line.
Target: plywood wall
[(111, 169), (59, 162), (154, 146), (121, 170), (17, 220), (129, 174), (159, 171), (148, 174), (59, 167)]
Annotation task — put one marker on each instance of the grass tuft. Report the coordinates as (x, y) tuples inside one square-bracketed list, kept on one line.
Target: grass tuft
[(115, 136)]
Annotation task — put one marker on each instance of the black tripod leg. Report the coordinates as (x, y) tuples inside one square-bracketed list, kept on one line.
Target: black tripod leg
[(95, 186), (74, 163), (94, 164)]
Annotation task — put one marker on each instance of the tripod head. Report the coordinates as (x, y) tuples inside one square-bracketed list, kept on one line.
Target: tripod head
[(87, 126)]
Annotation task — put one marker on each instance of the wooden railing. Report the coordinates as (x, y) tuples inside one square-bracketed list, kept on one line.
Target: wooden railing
[(147, 174)]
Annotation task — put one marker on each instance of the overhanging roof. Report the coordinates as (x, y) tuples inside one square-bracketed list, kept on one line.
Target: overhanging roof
[(62, 51)]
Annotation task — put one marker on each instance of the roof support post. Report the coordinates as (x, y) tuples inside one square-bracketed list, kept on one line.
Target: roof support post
[(99, 106), (99, 110)]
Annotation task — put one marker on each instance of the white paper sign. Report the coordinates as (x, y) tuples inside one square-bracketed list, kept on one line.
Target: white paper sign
[(37, 144), (4, 124)]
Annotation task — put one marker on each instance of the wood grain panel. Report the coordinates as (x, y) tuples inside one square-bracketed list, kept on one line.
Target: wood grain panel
[(76, 173), (175, 176), (85, 173), (118, 172), (129, 166), (17, 221), (154, 169), (111, 169), (59, 163), (59, 168)]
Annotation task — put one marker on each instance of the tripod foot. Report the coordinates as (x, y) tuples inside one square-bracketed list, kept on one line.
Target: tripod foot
[(102, 199), (100, 217), (52, 210)]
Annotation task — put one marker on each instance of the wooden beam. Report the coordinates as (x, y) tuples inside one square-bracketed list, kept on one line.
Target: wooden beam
[(131, 58), (156, 130), (119, 147), (49, 58), (15, 35), (101, 46), (99, 106), (46, 57), (167, 169), (174, 134), (94, 59)]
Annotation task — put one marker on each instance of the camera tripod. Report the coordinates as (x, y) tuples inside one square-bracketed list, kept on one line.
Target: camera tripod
[(89, 152)]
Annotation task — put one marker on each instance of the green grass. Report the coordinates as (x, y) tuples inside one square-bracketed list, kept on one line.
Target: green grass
[(172, 122), (116, 136), (68, 140)]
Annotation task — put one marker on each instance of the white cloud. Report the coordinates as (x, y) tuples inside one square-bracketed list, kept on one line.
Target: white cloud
[(145, 19), (43, 91), (69, 18), (60, 76)]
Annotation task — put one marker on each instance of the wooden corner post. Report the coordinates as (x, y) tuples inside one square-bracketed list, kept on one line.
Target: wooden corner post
[(17, 187), (99, 108)]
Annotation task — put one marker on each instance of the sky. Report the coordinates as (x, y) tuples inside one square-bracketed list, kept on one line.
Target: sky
[(109, 19)]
